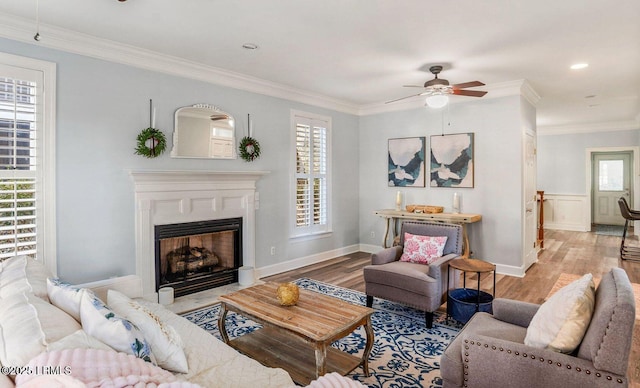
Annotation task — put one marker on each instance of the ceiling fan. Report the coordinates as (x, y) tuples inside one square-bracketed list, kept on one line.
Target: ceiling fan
[(438, 89)]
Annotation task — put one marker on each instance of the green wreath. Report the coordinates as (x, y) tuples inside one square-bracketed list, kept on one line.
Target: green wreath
[(158, 143), (249, 148)]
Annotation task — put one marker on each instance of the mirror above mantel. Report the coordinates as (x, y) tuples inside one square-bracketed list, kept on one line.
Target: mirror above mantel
[(203, 131)]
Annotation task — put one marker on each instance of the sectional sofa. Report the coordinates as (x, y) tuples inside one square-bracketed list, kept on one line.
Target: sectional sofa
[(54, 334)]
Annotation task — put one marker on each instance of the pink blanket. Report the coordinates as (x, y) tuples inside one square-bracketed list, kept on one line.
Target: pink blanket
[(95, 368)]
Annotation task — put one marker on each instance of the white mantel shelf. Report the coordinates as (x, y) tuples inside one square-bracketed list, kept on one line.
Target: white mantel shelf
[(153, 178), (176, 196)]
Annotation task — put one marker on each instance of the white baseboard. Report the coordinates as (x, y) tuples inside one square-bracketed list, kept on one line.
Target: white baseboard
[(370, 248), (278, 268), (510, 270), (569, 227), (304, 261)]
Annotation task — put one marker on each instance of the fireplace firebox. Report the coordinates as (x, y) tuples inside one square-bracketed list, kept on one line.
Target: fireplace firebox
[(196, 256)]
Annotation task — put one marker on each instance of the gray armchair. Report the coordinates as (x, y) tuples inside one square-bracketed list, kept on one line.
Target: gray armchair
[(420, 286), (490, 350)]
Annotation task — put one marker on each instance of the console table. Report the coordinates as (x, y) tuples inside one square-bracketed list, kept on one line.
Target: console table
[(454, 218)]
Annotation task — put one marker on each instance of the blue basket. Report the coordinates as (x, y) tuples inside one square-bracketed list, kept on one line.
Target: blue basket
[(461, 303)]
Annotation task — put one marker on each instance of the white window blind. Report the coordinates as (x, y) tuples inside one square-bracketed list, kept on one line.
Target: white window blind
[(18, 163), (312, 180)]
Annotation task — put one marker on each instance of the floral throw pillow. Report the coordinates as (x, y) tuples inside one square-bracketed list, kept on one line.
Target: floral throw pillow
[(422, 249), (101, 322)]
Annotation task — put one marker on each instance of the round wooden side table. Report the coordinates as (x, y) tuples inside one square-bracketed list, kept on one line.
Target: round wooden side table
[(471, 265)]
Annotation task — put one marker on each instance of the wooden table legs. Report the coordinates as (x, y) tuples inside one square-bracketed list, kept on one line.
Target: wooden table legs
[(386, 233), (221, 323), (368, 346), (321, 360)]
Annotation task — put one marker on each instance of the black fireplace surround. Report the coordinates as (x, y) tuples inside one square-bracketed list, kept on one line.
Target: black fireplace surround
[(196, 256)]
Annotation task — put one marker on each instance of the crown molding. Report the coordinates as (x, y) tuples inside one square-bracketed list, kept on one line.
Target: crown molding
[(611, 126), (20, 29)]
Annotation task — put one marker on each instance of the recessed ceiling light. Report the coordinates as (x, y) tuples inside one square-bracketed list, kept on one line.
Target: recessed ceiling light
[(250, 46), (579, 66)]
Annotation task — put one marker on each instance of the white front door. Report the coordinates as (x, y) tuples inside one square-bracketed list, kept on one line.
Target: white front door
[(611, 180)]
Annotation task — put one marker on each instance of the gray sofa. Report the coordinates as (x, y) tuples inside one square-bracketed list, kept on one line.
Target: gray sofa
[(490, 350)]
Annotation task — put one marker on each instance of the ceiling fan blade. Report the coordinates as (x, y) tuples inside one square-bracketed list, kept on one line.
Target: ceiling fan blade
[(412, 86), (467, 85), (470, 93), (402, 98)]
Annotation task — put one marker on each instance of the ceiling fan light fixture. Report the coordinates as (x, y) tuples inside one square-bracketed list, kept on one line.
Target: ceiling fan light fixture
[(437, 101)]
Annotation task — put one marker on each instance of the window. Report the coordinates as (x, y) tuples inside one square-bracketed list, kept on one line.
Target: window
[(611, 176), (311, 176), (27, 224)]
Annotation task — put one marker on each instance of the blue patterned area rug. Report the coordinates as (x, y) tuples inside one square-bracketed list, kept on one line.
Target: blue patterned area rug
[(405, 353)]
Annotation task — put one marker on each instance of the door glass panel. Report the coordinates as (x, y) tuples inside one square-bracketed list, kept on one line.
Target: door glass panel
[(611, 175)]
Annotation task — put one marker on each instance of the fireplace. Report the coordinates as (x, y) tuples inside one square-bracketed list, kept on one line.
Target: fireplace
[(196, 256), (176, 197)]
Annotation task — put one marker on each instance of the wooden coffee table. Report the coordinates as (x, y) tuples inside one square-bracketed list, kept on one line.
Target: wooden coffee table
[(298, 338)]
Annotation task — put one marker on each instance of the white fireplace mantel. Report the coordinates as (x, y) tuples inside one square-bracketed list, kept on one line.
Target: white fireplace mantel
[(168, 197)]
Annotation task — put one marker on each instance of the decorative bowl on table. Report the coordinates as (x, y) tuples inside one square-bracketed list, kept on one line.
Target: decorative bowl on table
[(288, 294)]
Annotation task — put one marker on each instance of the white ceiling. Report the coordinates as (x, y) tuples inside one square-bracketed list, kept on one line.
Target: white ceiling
[(360, 52)]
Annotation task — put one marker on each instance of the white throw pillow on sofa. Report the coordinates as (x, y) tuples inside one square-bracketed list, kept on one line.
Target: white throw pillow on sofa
[(561, 321), (164, 339), (104, 324), (27, 325), (22, 274), (65, 296)]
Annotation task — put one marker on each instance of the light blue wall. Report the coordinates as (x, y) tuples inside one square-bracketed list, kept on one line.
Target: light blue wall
[(102, 106), (562, 158), (497, 124)]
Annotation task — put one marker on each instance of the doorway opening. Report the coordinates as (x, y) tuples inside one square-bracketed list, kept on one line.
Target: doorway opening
[(610, 175)]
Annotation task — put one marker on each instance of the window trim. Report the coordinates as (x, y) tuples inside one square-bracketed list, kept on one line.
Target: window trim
[(46, 247), (304, 233)]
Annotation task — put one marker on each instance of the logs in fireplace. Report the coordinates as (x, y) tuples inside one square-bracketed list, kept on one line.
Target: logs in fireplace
[(196, 256)]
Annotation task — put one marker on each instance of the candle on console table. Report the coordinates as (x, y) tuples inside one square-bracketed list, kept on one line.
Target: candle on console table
[(456, 203), (399, 200)]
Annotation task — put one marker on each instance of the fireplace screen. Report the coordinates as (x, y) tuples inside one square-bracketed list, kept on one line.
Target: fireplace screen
[(195, 256)]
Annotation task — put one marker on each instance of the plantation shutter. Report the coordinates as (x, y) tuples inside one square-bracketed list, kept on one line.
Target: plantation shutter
[(319, 147), (311, 180), (303, 157), (18, 164)]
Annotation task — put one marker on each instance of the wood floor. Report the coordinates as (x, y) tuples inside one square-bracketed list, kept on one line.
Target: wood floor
[(569, 252)]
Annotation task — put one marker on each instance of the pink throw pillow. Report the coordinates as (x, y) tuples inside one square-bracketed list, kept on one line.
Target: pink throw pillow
[(422, 249)]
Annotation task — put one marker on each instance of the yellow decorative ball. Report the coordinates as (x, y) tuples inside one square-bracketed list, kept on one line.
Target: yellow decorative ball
[(288, 294)]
